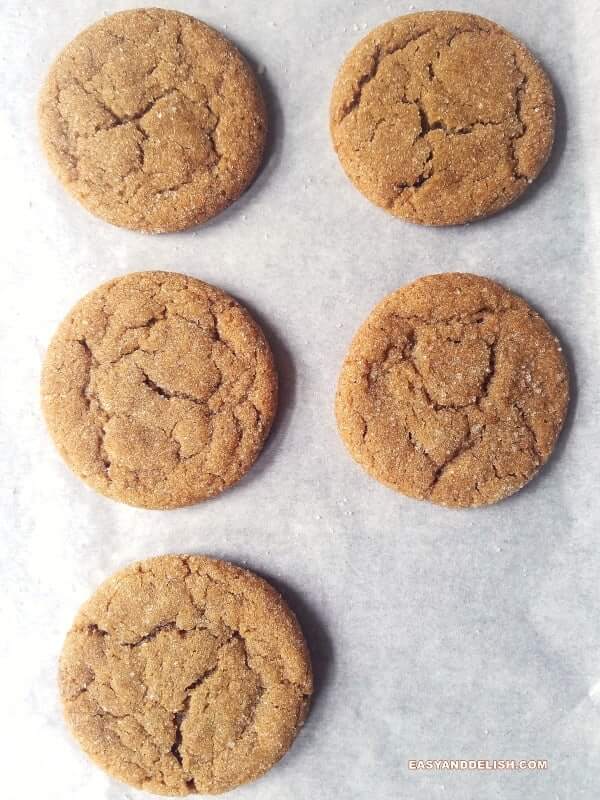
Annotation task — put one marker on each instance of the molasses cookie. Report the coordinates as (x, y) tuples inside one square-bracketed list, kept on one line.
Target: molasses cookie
[(159, 390), (152, 120), (184, 674), (441, 117), (454, 391)]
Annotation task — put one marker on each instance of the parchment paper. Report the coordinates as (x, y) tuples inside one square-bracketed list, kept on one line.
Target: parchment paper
[(435, 633)]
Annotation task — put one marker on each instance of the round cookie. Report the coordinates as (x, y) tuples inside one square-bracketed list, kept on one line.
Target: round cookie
[(152, 120), (159, 390), (454, 390), (185, 674), (441, 117)]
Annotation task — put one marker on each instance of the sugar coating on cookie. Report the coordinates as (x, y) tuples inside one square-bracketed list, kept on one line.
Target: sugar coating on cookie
[(185, 674), (152, 120), (454, 390), (442, 117), (159, 390)]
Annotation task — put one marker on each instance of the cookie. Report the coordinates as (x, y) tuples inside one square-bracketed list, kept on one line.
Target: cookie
[(185, 674), (441, 117), (152, 120), (454, 391), (159, 390)]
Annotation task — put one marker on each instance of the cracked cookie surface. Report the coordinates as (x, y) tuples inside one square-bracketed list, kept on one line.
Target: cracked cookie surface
[(185, 674), (442, 117), (159, 390), (454, 390), (152, 120)]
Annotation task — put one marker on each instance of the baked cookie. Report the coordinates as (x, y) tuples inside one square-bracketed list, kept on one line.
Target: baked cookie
[(441, 117), (454, 391), (152, 120), (159, 390), (184, 674)]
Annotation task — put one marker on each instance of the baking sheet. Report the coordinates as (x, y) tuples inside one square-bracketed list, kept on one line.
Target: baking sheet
[(435, 633)]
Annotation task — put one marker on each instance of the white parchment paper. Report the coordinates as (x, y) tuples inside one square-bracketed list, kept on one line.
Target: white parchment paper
[(435, 633)]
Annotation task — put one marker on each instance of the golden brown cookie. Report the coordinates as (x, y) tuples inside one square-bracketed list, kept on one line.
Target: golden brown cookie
[(159, 390), (441, 117), (152, 120), (185, 674), (454, 391)]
